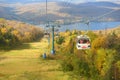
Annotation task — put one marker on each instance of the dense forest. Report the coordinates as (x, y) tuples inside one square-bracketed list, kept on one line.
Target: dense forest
[(101, 62), (14, 33)]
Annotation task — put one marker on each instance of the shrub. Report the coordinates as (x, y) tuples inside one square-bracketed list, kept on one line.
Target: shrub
[(60, 40)]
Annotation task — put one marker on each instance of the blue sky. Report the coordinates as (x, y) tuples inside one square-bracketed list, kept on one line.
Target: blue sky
[(81, 1), (73, 1), (77, 1)]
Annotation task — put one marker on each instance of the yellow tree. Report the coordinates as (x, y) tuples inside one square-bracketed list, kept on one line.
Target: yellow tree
[(3, 30), (99, 42), (27, 36)]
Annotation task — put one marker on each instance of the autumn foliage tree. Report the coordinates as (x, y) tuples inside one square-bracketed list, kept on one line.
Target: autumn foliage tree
[(101, 62), (13, 33)]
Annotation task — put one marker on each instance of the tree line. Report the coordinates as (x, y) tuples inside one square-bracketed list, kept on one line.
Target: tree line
[(101, 62), (13, 33)]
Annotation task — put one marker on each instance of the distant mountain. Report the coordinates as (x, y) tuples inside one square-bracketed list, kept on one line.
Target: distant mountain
[(34, 11), (94, 9), (8, 13), (102, 3)]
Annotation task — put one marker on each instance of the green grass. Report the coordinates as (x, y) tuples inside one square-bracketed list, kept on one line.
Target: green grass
[(24, 63)]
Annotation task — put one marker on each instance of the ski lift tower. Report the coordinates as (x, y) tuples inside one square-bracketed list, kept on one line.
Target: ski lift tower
[(53, 48), (53, 25)]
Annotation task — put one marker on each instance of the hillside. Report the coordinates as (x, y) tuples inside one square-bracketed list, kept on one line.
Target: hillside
[(13, 33), (8, 13), (25, 61), (93, 10), (35, 12), (115, 30)]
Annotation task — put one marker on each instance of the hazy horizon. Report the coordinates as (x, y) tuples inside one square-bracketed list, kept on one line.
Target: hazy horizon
[(71, 1)]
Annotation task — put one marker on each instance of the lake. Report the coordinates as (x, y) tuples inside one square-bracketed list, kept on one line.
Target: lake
[(92, 26)]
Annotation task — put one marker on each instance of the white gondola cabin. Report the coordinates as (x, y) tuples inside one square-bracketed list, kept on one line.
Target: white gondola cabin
[(46, 34), (83, 42)]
